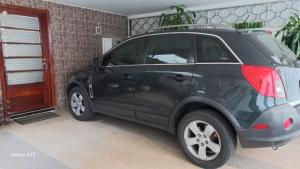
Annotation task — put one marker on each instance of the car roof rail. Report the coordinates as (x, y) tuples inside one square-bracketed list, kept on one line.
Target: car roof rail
[(189, 27), (266, 30)]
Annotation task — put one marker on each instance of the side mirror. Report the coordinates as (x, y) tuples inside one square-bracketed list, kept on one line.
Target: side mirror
[(95, 63)]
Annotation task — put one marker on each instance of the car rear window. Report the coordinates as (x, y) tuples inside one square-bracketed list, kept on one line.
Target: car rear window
[(212, 50), (272, 48)]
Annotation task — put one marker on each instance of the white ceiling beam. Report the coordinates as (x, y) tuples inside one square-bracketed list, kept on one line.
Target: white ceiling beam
[(94, 9)]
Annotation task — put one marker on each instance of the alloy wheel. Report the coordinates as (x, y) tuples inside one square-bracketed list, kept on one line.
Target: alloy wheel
[(77, 104), (202, 140)]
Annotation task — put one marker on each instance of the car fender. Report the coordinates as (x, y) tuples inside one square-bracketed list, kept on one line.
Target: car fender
[(74, 81)]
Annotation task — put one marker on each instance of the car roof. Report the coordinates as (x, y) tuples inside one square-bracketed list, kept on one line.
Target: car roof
[(230, 37)]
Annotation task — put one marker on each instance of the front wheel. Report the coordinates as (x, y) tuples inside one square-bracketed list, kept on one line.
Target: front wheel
[(206, 138), (79, 105)]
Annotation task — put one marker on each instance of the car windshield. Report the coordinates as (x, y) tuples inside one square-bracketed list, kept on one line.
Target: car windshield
[(272, 48)]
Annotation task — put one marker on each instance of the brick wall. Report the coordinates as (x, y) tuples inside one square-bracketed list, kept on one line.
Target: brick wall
[(73, 40)]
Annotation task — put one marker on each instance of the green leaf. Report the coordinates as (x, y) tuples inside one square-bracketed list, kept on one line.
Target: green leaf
[(291, 34), (178, 18), (297, 37)]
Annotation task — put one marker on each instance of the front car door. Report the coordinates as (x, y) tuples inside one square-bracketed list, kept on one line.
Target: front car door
[(113, 86), (165, 78)]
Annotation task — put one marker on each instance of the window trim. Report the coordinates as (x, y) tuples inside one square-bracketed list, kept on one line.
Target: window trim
[(192, 33), (192, 51), (138, 58), (218, 41)]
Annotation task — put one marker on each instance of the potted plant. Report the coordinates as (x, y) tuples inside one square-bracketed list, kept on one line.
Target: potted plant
[(291, 34), (180, 17), (248, 25)]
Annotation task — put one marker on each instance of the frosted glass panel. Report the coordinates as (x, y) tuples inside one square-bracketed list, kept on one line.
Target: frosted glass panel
[(24, 77), (23, 64), (21, 50), (20, 36), (17, 21)]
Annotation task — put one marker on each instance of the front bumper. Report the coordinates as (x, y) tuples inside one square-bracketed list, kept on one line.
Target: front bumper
[(275, 134)]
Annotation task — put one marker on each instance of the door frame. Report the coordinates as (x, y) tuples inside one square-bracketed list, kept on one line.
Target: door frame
[(44, 21)]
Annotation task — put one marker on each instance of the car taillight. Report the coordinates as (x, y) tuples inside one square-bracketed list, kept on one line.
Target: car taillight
[(265, 80), (261, 126), (288, 123)]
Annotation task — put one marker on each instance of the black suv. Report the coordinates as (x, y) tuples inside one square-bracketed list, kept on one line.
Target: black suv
[(209, 87)]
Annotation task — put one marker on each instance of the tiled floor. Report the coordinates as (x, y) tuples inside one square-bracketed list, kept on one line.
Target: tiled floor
[(109, 143)]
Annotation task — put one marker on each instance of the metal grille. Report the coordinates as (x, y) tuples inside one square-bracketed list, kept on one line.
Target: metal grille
[(274, 15)]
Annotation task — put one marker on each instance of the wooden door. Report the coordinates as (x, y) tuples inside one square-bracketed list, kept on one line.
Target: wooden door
[(26, 64)]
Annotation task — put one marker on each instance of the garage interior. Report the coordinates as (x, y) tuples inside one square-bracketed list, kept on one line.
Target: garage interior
[(72, 32)]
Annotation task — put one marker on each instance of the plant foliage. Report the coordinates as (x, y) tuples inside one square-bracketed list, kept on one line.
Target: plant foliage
[(180, 17), (291, 34)]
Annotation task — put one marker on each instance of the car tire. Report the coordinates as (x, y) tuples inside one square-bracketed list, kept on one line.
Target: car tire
[(79, 105), (206, 138)]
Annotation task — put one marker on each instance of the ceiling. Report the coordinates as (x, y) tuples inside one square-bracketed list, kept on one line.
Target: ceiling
[(134, 7)]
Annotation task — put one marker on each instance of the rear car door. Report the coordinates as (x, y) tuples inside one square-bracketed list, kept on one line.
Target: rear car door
[(165, 78), (113, 86)]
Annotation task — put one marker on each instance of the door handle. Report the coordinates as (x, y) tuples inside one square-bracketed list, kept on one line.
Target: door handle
[(107, 70), (128, 77), (179, 78)]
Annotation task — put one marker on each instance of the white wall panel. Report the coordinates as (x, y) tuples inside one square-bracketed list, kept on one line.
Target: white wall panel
[(20, 36), (24, 77), (17, 21), (23, 64), (21, 50)]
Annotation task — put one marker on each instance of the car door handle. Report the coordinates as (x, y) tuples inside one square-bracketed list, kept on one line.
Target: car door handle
[(108, 70), (128, 77), (179, 78)]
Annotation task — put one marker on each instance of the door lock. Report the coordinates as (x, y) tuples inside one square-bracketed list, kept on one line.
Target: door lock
[(44, 63)]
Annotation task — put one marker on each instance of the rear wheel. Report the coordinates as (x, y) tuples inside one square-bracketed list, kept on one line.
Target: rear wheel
[(79, 105), (206, 138)]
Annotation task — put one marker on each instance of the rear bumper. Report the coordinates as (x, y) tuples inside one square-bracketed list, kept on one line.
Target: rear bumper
[(275, 134)]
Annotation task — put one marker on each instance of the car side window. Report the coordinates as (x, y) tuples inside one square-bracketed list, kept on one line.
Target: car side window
[(126, 54), (170, 49), (211, 49)]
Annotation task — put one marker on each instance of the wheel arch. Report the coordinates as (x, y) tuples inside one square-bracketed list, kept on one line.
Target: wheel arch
[(195, 102), (75, 83)]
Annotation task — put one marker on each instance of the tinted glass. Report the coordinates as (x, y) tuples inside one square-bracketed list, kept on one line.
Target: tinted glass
[(126, 54), (211, 49), (170, 49), (272, 48)]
